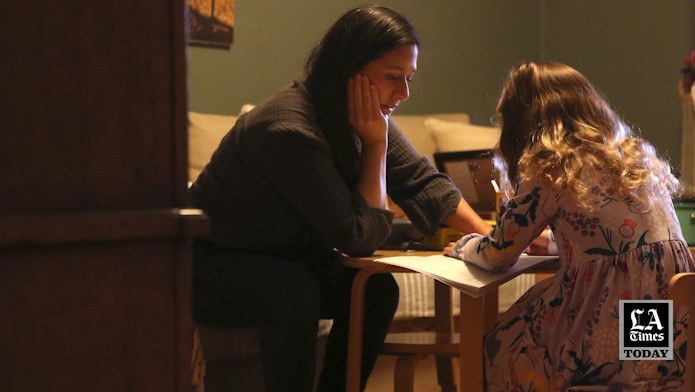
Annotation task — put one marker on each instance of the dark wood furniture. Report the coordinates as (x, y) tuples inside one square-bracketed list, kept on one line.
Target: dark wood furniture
[(94, 234)]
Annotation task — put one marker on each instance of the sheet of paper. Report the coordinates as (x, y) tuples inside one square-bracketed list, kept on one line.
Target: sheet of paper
[(472, 280)]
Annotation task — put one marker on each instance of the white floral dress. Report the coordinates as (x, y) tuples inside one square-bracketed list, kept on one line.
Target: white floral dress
[(564, 330)]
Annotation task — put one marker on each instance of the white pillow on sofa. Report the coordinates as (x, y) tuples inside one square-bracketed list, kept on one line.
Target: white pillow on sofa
[(456, 136), (413, 127), (246, 108), (204, 134)]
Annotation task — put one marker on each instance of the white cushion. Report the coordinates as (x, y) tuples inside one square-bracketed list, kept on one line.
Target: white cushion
[(413, 127), (456, 136), (204, 134), (246, 108)]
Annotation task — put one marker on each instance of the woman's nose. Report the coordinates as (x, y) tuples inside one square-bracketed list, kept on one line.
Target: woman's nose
[(403, 91)]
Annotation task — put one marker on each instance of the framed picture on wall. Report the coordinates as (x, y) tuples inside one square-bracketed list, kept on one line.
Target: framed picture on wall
[(210, 22)]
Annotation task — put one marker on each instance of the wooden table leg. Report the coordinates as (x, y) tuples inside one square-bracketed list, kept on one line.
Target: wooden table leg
[(492, 309), (472, 328), (354, 359), (403, 377), (444, 322), (478, 315)]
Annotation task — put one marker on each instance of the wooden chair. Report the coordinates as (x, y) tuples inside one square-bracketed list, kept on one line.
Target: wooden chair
[(410, 347), (229, 359), (682, 292)]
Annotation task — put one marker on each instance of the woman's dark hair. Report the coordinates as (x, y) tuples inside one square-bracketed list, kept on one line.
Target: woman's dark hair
[(361, 35)]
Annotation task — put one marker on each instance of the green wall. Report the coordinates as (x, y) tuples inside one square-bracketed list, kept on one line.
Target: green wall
[(632, 50)]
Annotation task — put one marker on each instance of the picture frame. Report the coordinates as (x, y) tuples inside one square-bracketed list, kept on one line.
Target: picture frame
[(210, 23)]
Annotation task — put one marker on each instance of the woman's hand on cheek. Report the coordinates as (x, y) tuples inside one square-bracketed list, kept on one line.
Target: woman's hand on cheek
[(364, 111)]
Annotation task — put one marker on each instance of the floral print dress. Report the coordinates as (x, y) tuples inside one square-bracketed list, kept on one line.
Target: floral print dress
[(564, 330)]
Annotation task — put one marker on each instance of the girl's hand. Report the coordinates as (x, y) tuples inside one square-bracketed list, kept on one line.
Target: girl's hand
[(364, 111), (449, 250)]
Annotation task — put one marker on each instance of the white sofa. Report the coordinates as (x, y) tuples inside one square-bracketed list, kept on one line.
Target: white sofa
[(428, 133)]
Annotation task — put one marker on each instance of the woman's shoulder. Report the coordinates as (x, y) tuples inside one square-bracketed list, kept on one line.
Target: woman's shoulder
[(291, 103), (287, 112)]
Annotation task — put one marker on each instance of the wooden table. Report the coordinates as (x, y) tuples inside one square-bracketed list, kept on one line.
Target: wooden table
[(477, 317), (472, 330)]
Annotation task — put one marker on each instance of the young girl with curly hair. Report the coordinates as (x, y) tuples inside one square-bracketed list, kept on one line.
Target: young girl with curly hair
[(607, 197)]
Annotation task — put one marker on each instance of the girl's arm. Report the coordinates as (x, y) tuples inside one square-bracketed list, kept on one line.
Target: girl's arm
[(526, 218)]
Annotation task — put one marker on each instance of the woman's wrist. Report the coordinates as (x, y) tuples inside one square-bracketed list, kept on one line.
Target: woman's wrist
[(372, 182)]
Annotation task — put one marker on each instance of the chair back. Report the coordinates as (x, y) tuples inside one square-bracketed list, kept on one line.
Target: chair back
[(682, 292)]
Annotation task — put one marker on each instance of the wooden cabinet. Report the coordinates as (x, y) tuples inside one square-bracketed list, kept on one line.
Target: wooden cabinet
[(94, 236)]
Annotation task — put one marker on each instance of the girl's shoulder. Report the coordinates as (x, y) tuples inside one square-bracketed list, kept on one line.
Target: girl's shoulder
[(538, 187)]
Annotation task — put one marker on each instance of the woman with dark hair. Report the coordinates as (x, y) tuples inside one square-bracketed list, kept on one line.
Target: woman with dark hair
[(304, 177)]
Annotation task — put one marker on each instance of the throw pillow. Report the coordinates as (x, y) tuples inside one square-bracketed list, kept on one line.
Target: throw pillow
[(204, 134), (456, 136), (246, 108), (413, 127)]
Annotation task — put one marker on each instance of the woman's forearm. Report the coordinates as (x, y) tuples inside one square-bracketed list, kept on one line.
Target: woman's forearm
[(467, 220)]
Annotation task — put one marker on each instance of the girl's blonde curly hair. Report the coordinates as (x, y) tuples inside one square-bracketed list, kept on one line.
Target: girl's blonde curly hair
[(558, 129)]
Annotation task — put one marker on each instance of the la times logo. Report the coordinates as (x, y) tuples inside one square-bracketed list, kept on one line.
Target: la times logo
[(646, 327)]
